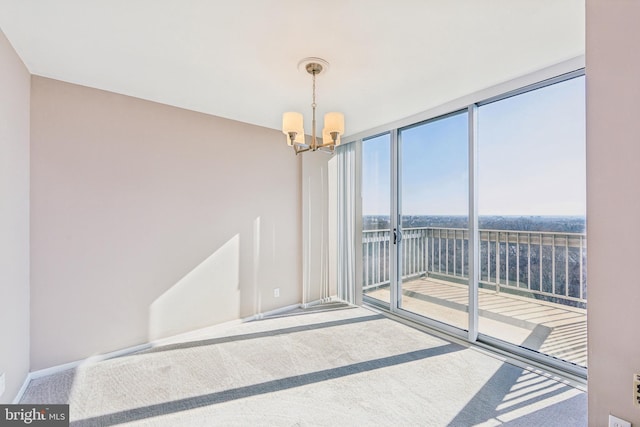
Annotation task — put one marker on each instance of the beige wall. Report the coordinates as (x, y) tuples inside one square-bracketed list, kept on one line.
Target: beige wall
[(14, 219), (148, 220), (613, 206)]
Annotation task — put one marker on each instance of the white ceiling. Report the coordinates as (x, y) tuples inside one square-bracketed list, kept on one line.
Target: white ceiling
[(238, 58)]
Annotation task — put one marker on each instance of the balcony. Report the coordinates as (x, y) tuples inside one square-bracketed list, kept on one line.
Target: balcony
[(532, 289)]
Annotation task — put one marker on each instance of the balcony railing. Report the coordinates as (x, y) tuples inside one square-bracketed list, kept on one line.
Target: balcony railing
[(550, 265)]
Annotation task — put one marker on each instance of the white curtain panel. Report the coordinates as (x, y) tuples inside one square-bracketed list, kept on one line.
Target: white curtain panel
[(347, 245)]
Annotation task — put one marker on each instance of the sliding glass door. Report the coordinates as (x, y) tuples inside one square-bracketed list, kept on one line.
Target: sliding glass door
[(433, 258), (474, 221)]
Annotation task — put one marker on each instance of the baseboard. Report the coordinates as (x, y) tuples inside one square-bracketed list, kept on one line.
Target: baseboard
[(320, 301), (141, 347), (196, 333), (72, 365), (20, 393), (271, 312)]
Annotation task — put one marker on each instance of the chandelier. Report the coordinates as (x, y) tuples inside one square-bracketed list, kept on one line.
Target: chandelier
[(292, 122)]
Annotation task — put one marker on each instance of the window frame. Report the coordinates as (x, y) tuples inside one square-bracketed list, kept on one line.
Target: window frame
[(556, 74)]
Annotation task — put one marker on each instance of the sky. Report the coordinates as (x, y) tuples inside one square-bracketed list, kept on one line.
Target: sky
[(531, 159)]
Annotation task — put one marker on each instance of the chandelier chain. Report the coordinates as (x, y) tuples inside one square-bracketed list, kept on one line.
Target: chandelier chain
[(313, 101)]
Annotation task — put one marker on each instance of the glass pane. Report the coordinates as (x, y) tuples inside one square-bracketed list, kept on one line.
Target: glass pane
[(532, 193), (434, 259), (376, 247)]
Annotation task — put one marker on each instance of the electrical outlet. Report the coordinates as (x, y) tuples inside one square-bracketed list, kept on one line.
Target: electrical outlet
[(276, 293), (1, 383), (617, 422), (636, 389)]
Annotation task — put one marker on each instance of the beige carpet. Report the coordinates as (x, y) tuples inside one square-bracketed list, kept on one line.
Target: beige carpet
[(341, 367)]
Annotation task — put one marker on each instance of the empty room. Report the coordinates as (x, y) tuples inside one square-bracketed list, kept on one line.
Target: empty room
[(277, 213)]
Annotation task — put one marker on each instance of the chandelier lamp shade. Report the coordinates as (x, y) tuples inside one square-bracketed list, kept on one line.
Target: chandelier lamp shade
[(292, 122)]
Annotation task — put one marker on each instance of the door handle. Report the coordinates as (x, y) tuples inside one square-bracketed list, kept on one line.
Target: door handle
[(397, 236)]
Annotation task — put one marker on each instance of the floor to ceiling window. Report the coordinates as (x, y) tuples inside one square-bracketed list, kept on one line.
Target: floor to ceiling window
[(531, 207), (474, 221)]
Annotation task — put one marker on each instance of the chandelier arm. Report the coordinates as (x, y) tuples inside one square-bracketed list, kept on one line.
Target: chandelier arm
[(327, 149), (327, 144), (300, 150)]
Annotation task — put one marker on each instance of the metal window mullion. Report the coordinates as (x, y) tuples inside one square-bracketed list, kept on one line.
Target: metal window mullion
[(395, 281), (474, 245)]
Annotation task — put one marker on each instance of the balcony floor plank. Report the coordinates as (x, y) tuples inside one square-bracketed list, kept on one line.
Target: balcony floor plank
[(547, 327)]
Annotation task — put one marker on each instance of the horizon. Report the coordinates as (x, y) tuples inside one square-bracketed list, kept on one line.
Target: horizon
[(538, 223)]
